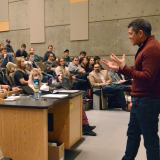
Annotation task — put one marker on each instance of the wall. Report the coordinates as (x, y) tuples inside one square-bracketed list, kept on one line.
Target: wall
[(108, 20)]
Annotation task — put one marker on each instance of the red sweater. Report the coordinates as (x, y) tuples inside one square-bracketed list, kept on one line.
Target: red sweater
[(146, 72)]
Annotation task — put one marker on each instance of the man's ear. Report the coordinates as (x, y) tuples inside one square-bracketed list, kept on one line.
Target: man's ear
[(141, 33)]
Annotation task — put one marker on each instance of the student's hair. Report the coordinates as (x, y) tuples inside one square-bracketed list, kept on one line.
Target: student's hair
[(23, 45), (19, 63), (96, 58), (50, 46), (36, 70), (49, 54), (31, 48), (0, 58), (83, 52), (141, 24), (31, 53), (74, 58), (82, 64), (4, 48), (93, 63), (58, 61)]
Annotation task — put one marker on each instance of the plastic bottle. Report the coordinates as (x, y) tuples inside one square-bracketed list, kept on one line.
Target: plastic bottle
[(36, 88)]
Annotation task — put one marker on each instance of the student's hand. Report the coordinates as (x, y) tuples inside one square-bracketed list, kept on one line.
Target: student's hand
[(5, 87), (103, 84), (3, 90), (60, 79), (73, 77), (5, 56), (12, 70), (121, 81), (15, 89), (52, 69), (84, 71), (107, 83)]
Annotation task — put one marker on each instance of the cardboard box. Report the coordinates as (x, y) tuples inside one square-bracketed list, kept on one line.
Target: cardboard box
[(55, 151)]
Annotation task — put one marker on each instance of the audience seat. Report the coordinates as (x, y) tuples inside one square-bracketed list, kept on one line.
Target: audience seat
[(41, 58), (100, 100), (11, 75), (41, 65)]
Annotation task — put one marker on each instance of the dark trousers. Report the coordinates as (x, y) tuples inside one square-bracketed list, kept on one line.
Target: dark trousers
[(143, 120), (117, 90)]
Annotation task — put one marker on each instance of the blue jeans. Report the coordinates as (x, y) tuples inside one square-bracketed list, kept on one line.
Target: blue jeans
[(117, 90), (144, 118)]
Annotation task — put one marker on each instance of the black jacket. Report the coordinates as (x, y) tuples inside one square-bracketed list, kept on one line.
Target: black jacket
[(19, 53)]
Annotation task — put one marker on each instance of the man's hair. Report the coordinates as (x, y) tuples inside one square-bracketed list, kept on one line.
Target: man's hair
[(96, 57), (96, 64), (4, 48), (50, 46), (30, 54), (141, 24), (31, 48), (74, 58), (82, 52), (23, 45)]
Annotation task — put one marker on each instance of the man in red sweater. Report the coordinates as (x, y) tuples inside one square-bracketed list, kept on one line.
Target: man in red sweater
[(145, 90)]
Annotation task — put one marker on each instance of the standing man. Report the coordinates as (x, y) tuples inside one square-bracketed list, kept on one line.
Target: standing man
[(9, 47), (145, 90), (50, 49)]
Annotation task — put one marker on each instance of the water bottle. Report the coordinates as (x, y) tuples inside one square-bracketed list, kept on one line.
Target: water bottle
[(36, 88)]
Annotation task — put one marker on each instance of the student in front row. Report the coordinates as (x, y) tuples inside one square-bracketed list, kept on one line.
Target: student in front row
[(100, 78), (22, 74)]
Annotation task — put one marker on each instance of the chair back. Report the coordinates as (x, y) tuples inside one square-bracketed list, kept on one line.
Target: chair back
[(41, 65), (11, 75)]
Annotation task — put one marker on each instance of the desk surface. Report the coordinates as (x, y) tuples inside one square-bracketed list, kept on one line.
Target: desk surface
[(30, 103)]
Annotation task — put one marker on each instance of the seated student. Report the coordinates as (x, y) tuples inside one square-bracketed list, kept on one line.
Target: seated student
[(31, 59), (76, 70), (21, 52), (50, 49), (46, 76), (9, 47), (81, 56), (97, 60), (6, 57), (116, 78), (36, 57), (100, 78), (61, 69), (66, 57), (91, 64), (85, 64), (51, 63), (34, 73), (22, 74), (2, 157)]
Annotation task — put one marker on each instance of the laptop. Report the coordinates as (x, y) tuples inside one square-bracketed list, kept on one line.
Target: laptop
[(27, 90)]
